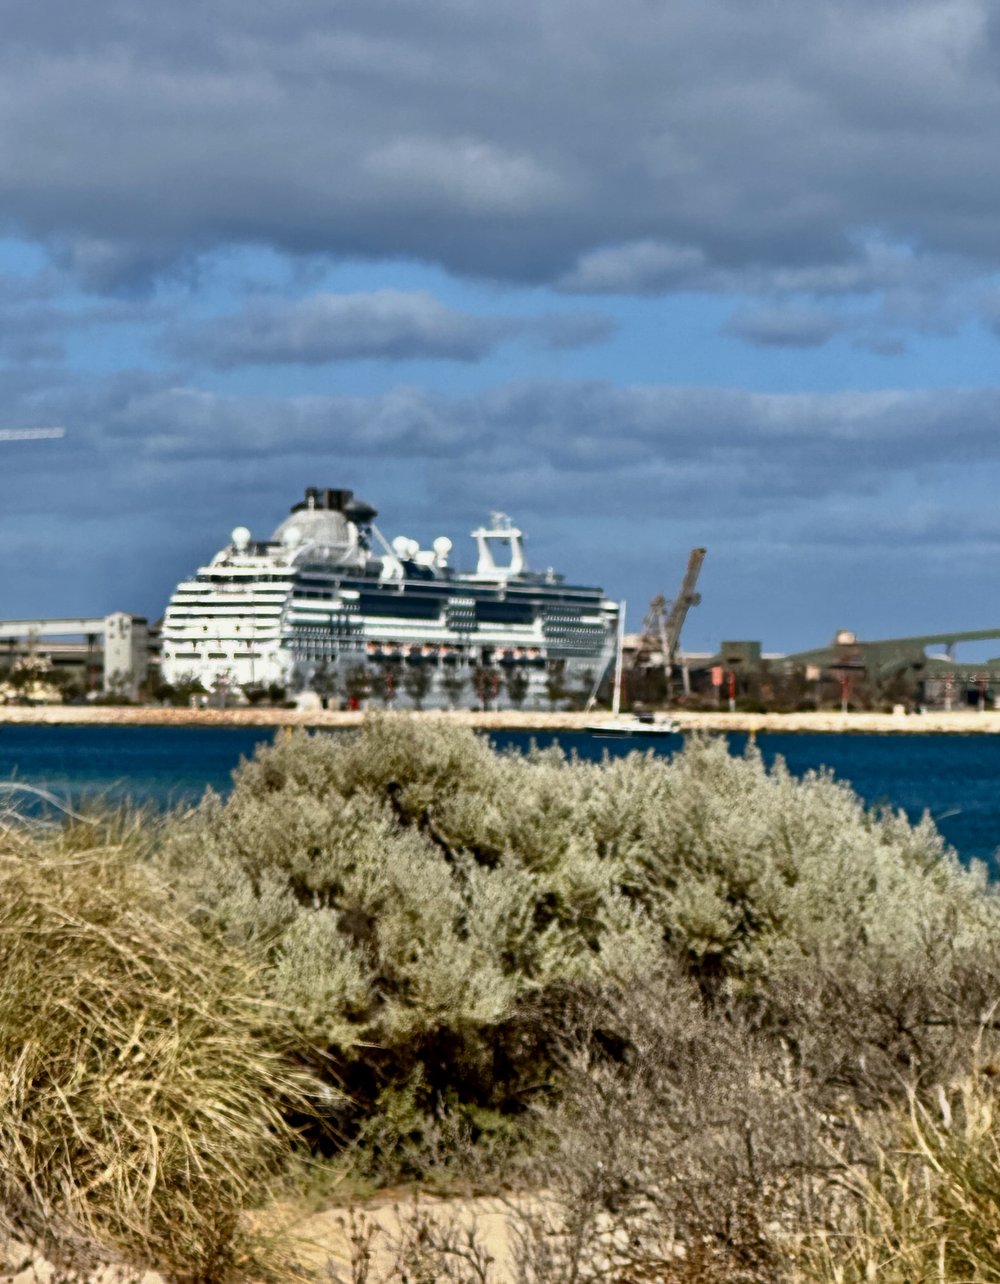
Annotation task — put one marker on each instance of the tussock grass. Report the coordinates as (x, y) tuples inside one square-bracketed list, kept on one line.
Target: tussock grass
[(927, 1205), (141, 1085)]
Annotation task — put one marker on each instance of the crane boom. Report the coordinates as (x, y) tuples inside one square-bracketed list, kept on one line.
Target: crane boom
[(652, 638), (682, 603), (661, 629)]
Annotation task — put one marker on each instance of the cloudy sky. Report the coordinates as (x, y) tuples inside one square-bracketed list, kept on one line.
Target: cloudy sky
[(644, 275)]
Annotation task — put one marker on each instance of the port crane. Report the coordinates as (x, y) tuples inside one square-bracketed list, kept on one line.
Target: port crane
[(661, 629)]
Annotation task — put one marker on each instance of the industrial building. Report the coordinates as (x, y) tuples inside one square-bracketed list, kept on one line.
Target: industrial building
[(850, 672), (108, 654)]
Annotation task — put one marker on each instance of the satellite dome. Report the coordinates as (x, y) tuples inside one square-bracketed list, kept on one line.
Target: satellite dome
[(240, 538)]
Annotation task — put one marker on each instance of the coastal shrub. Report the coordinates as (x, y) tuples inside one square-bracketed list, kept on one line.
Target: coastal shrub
[(419, 960), (142, 1090), (422, 906), (688, 1148), (684, 1147)]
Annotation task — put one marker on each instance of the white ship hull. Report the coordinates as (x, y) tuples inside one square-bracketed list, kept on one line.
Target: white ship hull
[(315, 606)]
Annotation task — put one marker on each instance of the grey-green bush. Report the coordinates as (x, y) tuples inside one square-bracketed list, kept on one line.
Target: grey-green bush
[(422, 907)]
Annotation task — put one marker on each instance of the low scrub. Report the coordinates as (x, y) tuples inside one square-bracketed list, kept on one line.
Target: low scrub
[(142, 1089), (707, 1009), (424, 908)]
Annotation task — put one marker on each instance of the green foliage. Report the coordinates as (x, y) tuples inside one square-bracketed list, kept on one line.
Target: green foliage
[(181, 692), (453, 683), (417, 682), (325, 682), (516, 683), (385, 683), (486, 684), (687, 999), (555, 682), (681, 1136), (358, 682)]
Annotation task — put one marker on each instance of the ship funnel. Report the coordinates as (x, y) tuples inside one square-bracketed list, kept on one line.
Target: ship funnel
[(331, 501)]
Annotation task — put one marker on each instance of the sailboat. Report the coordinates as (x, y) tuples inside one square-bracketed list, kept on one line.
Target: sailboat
[(637, 725)]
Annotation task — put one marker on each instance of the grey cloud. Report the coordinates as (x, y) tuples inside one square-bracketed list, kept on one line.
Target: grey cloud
[(390, 324), (39, 331), (559, 330), (32, 334), (927, 527), (638, 267), (784, 327), (634, 147), (34, 287), (386, 324), (467, 174), (989, 310), (927, 291), (127, 266), (152, 475), (772, 449), (882, 345)]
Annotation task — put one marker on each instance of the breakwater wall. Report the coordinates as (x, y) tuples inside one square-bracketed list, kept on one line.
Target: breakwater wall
[(963, 722)]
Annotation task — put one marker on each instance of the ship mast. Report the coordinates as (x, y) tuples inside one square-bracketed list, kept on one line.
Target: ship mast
[(616, 702)]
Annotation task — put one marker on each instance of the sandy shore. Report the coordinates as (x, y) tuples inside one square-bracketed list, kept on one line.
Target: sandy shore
[(964, 722)]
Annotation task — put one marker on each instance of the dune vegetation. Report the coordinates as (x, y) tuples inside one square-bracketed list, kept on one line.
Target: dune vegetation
[(144, 1089), (694, 1019)]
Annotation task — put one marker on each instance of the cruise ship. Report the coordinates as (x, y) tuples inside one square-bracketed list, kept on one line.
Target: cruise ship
[(327, 604)]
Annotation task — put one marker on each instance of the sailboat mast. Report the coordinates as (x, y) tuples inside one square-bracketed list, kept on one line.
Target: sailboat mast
[(616, 702)]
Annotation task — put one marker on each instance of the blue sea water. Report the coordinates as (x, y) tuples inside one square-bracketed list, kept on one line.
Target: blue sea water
[(955, 778)]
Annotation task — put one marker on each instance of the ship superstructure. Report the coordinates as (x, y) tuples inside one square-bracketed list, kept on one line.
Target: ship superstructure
[(328, 602)]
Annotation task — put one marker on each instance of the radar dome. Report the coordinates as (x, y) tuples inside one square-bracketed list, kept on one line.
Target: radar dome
[(442, 546), (291, 536), (240, 538)]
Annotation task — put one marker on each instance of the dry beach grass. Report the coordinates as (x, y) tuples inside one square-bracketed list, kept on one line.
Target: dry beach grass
[(142, 1095)]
